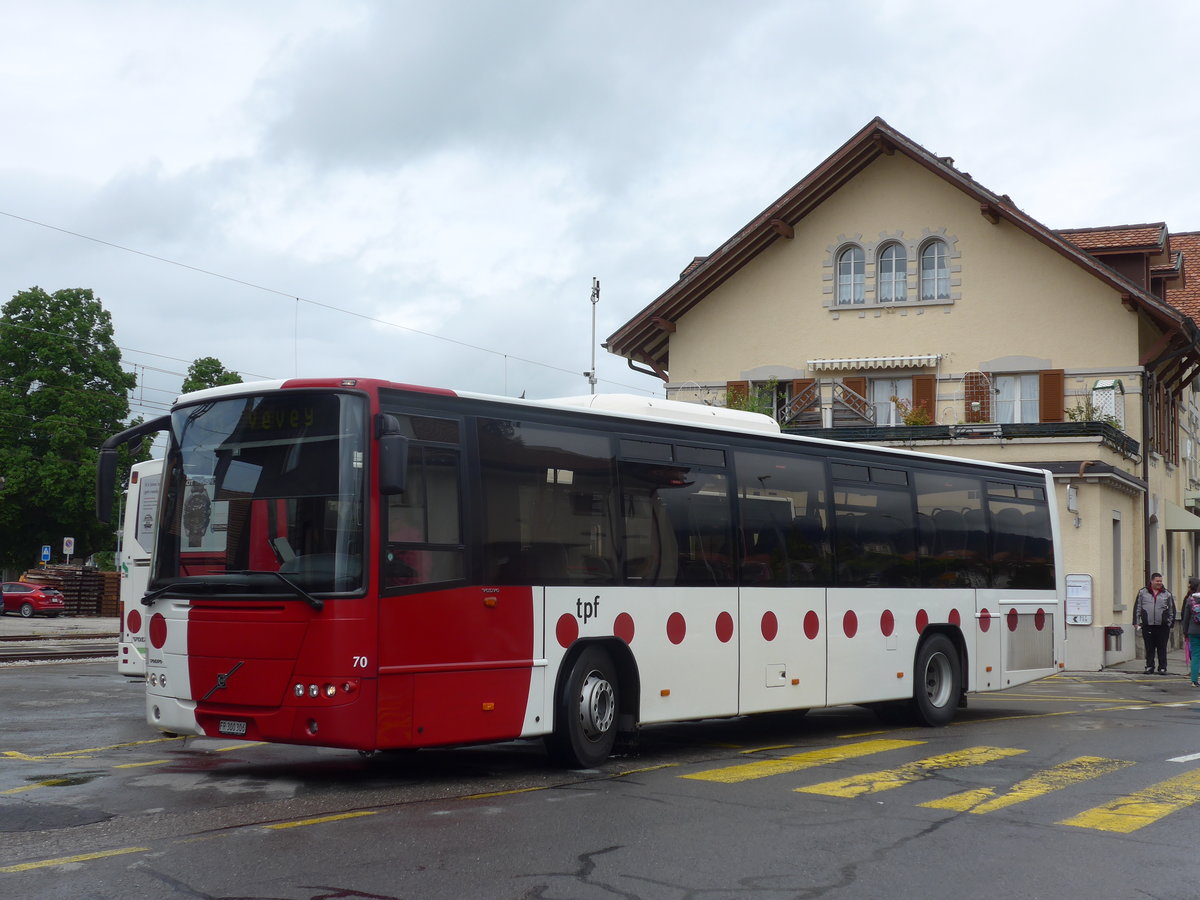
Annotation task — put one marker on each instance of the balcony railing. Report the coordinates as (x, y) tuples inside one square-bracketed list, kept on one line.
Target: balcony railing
[(1113, 438)]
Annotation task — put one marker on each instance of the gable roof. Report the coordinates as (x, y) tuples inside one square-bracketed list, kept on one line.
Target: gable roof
[(645, 338)]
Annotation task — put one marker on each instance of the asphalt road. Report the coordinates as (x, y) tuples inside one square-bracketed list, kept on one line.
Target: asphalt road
[(1078, 785)]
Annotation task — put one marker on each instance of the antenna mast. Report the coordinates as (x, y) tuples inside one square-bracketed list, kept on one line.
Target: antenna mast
[(591, 373)]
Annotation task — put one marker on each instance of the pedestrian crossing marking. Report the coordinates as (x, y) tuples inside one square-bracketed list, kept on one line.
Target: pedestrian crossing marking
[(796, 762), (887, 779), (1137, 810), (984, 800)]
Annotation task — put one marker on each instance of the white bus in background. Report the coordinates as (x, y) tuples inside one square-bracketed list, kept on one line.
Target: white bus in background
[(133, 562)]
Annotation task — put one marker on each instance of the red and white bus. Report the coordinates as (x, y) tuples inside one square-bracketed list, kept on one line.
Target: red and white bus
[(360, 564), (137, 542)]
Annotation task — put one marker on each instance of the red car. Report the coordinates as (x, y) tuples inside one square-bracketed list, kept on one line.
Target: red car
[(32, 599)]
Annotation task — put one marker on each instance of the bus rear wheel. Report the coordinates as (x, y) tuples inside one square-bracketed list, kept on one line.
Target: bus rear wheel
[(585, 727), (938, 681)]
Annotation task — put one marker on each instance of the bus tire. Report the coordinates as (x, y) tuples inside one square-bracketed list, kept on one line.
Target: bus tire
[(585, 727), (937, 681)]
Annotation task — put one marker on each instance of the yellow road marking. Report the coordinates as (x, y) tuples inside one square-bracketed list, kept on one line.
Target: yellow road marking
[(78, 754), (1137, 810), (153, 762), (528, 790), (64, 860), (238, 747), (885, 780), (646, 769), (984, 800), (767, 767), (320, 820)]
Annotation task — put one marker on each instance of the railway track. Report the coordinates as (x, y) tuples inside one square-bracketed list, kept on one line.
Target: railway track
[(24, 648)]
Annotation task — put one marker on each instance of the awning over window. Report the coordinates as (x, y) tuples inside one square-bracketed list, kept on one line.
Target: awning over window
[(1179, 519), (917, 361)]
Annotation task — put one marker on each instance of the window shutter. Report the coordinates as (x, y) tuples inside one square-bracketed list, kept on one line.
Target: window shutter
[(736, 392), (925, 394), (856, 383), (1051, 402), (977, 388)]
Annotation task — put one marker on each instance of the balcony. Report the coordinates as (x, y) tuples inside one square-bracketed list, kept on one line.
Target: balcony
[(1108, 436)]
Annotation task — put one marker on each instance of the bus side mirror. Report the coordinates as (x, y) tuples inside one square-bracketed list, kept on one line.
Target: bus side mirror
[(393, 455), (106, 461)]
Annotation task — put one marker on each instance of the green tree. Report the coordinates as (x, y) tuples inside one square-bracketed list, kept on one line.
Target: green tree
[(62, 392), (207, 372)]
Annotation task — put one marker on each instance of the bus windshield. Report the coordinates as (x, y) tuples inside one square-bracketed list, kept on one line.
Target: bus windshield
[(265, 484)]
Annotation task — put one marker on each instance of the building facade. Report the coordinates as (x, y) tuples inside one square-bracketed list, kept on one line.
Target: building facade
[(890, 298)]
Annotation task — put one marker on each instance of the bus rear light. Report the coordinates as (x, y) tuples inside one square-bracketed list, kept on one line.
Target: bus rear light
[(349, 687), (312, 690), (299, 689), (330, 690)]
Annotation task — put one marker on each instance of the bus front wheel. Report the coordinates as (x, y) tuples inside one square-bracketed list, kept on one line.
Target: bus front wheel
[(585, 727), (938, 681)]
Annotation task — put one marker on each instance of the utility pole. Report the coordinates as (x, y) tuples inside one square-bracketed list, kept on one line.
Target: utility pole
[(591, 373)]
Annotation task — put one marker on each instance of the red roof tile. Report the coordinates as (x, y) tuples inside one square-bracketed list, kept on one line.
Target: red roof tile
[(1117, 238), (1186, 298)]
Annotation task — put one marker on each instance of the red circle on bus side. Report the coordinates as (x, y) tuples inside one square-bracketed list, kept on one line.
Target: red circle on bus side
[(1012, 620), (567, 630), (1039, 619), (724, 627), (850, 623), (133, 621), (623, 627), (812, 625), (158, 630), (676, 628), (955, 618), (922, 620), (769, 626), (985, 620), (887, 623)]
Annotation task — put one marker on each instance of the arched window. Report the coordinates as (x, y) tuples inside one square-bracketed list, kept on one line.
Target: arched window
[(935, 272), (892, 274), (851, 269)]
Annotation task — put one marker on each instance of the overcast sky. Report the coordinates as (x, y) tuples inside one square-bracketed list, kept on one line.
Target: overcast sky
[(424, 192)]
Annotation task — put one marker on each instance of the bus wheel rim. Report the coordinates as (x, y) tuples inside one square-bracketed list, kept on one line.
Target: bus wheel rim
[(937, 680), (597, 705)]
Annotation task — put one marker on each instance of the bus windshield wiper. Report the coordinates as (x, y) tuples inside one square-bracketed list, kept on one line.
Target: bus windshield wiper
[(211, 586), (315, 602), (150, 596)]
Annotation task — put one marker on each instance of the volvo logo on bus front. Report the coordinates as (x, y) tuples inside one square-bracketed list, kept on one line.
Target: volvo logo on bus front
[(222, 680)]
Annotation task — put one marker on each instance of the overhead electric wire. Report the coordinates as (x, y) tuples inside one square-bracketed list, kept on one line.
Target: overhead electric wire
[(299, 299)]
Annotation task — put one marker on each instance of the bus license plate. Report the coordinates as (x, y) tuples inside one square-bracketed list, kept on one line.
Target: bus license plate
[(229, 726)]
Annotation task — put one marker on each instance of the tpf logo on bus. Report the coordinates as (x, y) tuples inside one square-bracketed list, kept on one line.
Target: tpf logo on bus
[(587, 609)]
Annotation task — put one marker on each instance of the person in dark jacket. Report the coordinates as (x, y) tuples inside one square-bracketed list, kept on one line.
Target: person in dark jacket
[(1154, 614), (1191, 627)]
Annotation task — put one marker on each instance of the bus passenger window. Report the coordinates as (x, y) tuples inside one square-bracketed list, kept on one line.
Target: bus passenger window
[(1022, 546), (677, 525), (950, 513), (781, 520), (424, 542), (549, 504)]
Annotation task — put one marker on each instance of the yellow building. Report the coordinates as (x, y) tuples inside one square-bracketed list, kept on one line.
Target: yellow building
[(890, 298)]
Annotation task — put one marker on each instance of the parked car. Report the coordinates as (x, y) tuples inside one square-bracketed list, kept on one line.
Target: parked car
[(32, 599)]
